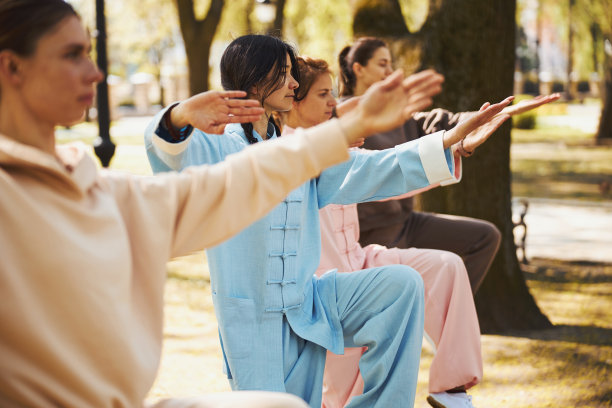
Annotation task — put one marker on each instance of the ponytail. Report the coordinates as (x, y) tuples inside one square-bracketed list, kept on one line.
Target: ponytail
[(347, 76)]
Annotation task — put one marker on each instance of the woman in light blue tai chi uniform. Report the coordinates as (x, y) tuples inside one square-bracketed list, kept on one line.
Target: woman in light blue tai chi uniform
[(276, 319)]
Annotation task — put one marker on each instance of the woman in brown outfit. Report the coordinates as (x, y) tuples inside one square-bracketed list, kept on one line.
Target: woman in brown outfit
[(394, 223)]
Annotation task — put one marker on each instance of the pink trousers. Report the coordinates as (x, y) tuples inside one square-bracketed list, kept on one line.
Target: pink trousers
[(450, 322)]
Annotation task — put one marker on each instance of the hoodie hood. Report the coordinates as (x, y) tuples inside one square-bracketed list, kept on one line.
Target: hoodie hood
[(70, 169)]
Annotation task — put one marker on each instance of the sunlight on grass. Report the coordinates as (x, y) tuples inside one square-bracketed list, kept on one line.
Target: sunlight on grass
[(567, 366)]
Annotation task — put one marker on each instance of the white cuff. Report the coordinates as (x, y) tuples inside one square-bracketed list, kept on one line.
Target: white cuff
[(172, 149), (433, 159)]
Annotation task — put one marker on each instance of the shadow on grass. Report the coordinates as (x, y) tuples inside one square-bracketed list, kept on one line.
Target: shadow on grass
[(553, 271), (592, 335)]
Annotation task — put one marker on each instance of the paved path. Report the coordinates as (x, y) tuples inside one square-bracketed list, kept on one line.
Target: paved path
[(568, 230)]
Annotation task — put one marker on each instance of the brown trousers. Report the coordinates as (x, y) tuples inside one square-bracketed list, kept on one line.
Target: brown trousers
[(475, 241)]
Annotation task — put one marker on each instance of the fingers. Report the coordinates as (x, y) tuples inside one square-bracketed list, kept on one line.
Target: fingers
[(240, 103), (417, 106), (232, 94), (426, 75), (492, 110), (392, 80), (484, 106), (425, 81), (241, 111)]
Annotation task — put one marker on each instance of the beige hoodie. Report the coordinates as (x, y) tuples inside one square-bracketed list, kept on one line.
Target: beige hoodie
[(83, 256)]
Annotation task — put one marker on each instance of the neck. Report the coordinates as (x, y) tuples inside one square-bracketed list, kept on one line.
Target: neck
[(295, 121), (360, 89), (19, 124), (261, 126)]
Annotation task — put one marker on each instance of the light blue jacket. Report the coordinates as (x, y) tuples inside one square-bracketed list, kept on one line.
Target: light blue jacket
[(266, 272)]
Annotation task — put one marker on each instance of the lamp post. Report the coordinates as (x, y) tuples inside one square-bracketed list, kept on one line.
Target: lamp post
[(103, 146), (271, 13)]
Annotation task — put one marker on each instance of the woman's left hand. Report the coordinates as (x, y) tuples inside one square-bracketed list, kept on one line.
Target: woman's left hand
[(529, 104), (477, 128)]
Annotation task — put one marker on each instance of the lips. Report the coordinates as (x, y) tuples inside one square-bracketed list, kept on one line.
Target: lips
[(87, 98)]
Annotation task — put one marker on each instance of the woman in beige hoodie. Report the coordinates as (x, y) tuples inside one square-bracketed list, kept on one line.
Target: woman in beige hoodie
[(83, 251)]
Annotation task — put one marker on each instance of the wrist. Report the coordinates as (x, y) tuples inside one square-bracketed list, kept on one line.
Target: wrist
[(178, 134), (177, 116), (352, 127), (461, 149)]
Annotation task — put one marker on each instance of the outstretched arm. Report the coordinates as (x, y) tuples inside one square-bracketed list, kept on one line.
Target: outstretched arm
[(529, 104), (389, 103), (482, 132)]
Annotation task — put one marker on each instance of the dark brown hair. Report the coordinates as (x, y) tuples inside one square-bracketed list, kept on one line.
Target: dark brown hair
[(24, 22), (361, 51)]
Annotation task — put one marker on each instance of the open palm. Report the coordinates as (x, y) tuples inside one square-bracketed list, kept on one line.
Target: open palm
[(389, 103)]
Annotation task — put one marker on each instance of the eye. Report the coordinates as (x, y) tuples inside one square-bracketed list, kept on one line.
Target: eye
[(73, 54)]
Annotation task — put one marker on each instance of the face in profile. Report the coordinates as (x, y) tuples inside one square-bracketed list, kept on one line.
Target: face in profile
[(57, 81), (317, 105), (281, 99), (377, 68)]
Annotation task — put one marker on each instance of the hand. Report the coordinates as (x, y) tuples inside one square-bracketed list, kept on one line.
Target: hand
[(528, 104), (357, 143), (346, 106), (210, 111), (389, 103), (477, 128)]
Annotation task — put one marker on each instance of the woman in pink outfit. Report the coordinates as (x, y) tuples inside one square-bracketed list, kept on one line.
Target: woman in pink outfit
[(450, 316)]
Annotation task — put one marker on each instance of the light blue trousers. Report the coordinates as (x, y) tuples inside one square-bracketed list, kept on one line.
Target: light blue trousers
[(382, 309)]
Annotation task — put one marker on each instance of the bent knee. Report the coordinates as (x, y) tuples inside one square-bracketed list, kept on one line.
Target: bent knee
[(492, 234), (403, 277)]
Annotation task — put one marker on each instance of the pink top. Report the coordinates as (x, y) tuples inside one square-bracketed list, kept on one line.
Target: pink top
[(340, 247)]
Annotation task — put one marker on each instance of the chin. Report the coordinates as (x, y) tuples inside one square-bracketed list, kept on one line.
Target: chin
[(72, 119)]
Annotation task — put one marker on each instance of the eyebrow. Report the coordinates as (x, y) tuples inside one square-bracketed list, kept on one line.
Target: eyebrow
[(78, 47)]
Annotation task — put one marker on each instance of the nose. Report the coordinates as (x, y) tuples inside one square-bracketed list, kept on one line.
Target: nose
[(293, 84), (94, 74), (388, 70), (331, 101)]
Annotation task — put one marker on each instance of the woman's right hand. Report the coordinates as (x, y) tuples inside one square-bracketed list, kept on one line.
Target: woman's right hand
[(388, 104), (210, 111)]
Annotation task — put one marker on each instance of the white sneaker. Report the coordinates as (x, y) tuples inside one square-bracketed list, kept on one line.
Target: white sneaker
[(450, 400)]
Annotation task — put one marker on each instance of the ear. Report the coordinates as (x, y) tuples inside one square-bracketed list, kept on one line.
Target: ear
[(9, 67), (253, 91), (357, 69)]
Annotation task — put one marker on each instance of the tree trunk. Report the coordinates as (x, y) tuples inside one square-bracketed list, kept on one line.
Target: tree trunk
[(198, 35), (471, 42), (604, 133)]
